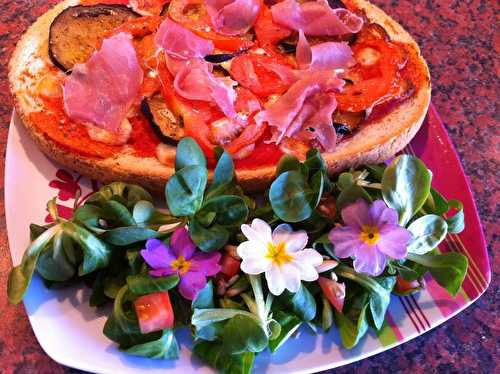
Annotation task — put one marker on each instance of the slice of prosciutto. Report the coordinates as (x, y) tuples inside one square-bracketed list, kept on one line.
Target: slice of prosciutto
[(316, 18), (181, 43), (102, 90), (305, 110), (232, 17), (323, 56), (195, 81)]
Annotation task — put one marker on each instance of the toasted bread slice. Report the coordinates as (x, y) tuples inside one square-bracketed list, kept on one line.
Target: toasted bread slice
[(372, 143)]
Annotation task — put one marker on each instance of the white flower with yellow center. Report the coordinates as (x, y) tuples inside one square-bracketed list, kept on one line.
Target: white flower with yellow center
[(280, 254)]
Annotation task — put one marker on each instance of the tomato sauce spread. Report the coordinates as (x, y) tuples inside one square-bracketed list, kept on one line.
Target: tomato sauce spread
[(56, 125)]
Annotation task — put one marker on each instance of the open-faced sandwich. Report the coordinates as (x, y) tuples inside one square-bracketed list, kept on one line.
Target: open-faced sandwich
[(108, 87)]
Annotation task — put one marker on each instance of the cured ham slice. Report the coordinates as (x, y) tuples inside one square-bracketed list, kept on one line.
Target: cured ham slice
[(305, 110), (181, 43), (195, 81), (102, 90), (316, 18), (323, 56), (232, 17)]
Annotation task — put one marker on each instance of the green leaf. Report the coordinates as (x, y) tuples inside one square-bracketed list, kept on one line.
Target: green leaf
[(214, 354), (205, 298), (185, 189), (90, 216), (20, 276), (317, 184), (428, 231), (208, 239), (143, 212), (37, 230), (326, 315), (456, 222), (189, 153), (289, 324), (351, 332), (244, 334), (345, 181), (229, 210), (96, 253), (204, 317), (53, 264), (290, 163), (350, 195), (406, 185), (122, 236), (223, 175), (314, 162), (165, 347), (436, 203), (127, 194), (118, 213), (448, 269), (143, 284), (379, 288), (377, 171), (290, 197), (302, 303)]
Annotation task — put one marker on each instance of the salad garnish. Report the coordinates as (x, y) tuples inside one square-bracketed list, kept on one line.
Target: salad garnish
[(244, 273)]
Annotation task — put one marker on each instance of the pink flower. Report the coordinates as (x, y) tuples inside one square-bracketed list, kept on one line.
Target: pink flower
[(180, 258), (371, 234)]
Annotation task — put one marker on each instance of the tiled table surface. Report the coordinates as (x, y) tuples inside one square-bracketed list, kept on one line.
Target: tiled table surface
[(459, 41)]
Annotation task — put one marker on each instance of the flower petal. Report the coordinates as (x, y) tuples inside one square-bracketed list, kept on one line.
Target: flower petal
[(291, 276), (306, 262), (181, 243), (259, 231), (207, 263), (356, 214), (255, 265), (369, 260), (251, 249), (275, 281), (326, 265), (191, 283), (381, 214), (162, 272), (345, 240), (295, 240), (394, 241), (157, 254)]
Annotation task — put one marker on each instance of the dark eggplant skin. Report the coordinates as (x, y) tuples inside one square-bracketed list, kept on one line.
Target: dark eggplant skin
[(287, 48), (148, 113), (341, 129), (336, 4), (72, 38), (218, 58)]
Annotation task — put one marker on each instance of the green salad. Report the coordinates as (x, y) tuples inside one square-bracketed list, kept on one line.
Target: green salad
[(243, 273)]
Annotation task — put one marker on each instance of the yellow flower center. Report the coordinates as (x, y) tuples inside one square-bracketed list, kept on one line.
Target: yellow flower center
[(181, 265), (277, 253), (369, 234)]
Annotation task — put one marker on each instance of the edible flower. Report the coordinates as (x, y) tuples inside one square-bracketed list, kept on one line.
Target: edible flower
[(333, 290), (181, 258), (371, 235), (280, 254)]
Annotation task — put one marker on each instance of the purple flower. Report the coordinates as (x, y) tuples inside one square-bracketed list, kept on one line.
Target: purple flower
[(180, 258), (371, 234)]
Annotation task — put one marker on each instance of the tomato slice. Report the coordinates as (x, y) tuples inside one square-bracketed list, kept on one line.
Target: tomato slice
[(193, 15), (140, 27), (266, 30), (374, 81), (229, 266), (259, 73), (154, 312), (333, 291)]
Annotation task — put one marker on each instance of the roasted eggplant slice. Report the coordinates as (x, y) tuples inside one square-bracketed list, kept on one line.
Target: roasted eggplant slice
[(167, 126), (77, 31), (219, 58)]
